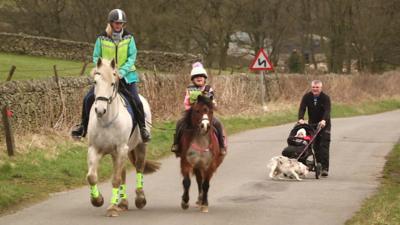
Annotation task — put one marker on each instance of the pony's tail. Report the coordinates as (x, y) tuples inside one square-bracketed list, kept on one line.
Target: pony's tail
[(149, 165)]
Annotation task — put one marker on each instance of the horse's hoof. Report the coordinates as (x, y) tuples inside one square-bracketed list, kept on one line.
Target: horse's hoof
[(112, 211), (140, 203), (204, 208), (140, 200), (97, 202), (184, 205), (123, 205), (198, 203)]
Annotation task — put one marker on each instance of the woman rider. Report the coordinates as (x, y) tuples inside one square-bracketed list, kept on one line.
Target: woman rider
[(116, 43)]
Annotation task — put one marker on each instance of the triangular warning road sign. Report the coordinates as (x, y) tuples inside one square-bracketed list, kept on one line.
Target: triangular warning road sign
[(261, 62)]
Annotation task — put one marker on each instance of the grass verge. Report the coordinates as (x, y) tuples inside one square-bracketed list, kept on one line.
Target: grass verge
[(32, 176), (383, 207)]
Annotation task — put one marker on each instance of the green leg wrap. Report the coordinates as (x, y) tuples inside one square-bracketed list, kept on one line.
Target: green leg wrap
[(94, 191), (114, 197), (139, 180), (122, 192)]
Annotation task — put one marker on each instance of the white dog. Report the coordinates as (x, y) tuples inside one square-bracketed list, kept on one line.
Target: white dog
[(288, 167)]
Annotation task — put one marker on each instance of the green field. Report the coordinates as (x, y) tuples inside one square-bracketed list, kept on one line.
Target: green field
[(32, 67), (31, 177)]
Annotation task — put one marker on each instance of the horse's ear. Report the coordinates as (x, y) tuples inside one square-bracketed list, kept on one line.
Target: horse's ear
[(200, 98), (203, 99), (99, 62), (112, 63)]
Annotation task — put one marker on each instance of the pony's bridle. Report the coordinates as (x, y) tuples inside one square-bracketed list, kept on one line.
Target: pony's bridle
[(112, 97)]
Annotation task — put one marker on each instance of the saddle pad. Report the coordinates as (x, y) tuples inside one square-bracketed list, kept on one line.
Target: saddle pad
[(130, 110)]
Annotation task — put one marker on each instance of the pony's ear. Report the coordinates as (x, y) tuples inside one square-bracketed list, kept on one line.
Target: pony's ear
[(203, 99), (112, 63), (200, 98), (99, 62)]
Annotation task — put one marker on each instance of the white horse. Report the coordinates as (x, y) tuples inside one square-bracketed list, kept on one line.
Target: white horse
[(109, 132)]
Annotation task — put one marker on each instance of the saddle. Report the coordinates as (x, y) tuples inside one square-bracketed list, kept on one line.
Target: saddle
[(128, 104)]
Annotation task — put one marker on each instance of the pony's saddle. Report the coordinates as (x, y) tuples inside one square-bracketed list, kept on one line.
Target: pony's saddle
[(129, 107)]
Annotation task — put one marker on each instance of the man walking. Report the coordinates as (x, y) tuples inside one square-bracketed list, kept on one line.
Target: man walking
[(318, 105)]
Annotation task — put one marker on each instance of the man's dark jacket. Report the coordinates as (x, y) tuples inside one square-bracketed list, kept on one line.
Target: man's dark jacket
[(318, 112)]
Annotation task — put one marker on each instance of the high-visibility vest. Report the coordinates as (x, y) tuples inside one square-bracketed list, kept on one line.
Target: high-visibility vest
[(119, 52)]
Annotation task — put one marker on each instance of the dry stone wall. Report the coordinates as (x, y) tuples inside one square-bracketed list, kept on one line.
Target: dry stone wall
[(36, 104), (72, 50)]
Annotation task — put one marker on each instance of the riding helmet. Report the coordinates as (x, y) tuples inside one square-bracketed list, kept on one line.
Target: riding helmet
[(117, 15)]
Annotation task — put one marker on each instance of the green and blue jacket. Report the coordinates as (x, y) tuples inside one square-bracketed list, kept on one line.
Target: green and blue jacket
[(123, 52)]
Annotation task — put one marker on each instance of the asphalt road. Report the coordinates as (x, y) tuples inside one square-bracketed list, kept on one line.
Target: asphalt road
[(241, 192)]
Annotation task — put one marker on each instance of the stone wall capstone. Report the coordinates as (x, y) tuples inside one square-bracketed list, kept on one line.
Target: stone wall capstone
[(73, 50)]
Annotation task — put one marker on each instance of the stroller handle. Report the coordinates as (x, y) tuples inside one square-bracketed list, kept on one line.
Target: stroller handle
[(317, 125)]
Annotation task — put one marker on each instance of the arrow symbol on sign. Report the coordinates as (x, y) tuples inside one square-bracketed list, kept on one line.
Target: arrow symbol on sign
[(260, 62)]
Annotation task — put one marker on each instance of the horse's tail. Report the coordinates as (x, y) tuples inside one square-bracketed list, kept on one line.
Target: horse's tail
[(150, 166)]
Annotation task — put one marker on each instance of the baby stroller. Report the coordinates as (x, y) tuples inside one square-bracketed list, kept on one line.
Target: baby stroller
[(302, 149)]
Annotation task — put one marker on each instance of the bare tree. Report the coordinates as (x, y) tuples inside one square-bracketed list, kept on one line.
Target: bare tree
[(267, 24)]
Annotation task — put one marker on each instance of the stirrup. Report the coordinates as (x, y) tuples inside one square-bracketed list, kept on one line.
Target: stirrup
[(78, 131), (175, 149), (222, 151)]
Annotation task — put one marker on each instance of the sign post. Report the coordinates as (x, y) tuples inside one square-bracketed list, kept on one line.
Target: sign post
[(262, 63)]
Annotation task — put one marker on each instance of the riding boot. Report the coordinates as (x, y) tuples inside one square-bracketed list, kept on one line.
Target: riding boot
[(80, 130), (142, 124), (175, 146), (220, 135)]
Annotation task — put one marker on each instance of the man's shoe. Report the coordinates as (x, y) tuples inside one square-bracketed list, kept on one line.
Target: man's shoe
[(78, 132), (145, 134), (324, 173)]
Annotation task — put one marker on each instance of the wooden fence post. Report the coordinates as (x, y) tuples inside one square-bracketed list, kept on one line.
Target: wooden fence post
[(10, 74), (85, 63), (60, 120), (6, 114)]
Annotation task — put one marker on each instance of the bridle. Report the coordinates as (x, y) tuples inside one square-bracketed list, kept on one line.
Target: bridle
[(110, 99)]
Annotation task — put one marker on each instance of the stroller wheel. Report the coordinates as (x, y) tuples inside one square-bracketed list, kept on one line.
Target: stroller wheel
[(318, 169)]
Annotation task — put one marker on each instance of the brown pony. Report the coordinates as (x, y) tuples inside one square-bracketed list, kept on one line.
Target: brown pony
[(200, 151)]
